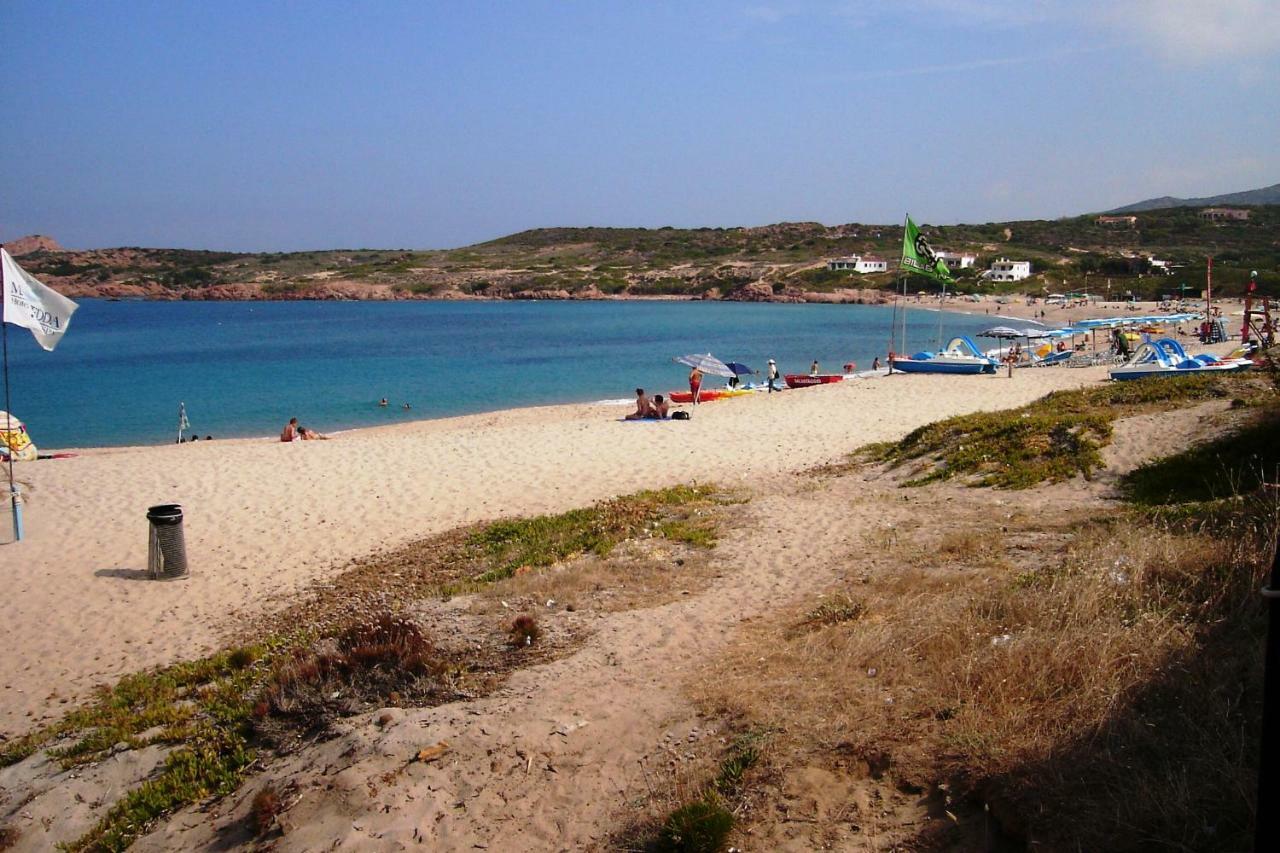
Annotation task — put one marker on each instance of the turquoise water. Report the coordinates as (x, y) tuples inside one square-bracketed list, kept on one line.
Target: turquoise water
[(244, 368)]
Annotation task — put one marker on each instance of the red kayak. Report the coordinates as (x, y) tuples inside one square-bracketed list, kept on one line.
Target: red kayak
[(804, 380), (706, 395)]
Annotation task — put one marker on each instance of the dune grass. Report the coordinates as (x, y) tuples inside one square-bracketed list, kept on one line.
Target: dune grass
[(1052, 439), (1096, 688)]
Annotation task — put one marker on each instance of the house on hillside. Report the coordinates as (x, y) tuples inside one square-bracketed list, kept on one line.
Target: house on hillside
[(859, 264), (957, 260), (1224, 214), (1004, 269), (1127, 221)]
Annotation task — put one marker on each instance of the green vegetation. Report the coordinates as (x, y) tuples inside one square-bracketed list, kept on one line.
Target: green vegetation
[(1053, 438), (1212, 473), (700, 826), (702, 822), (1075, 253), (505, 546)]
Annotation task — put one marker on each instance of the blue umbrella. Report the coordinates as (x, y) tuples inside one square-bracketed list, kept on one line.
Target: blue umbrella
[(739, 368)]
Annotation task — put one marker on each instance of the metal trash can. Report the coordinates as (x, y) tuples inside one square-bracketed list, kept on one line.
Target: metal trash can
[(166, 547)]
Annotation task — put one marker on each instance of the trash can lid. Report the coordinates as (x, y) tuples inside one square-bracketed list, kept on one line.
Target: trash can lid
[(165, 511)]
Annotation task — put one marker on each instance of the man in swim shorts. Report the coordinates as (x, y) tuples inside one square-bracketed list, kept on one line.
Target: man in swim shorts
[(644, 408)]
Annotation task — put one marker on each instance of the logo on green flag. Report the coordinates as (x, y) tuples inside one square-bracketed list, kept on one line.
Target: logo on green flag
[(918, 256)]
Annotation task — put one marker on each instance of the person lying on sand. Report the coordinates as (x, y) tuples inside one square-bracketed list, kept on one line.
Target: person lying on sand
[(644, 408), (311, 435)]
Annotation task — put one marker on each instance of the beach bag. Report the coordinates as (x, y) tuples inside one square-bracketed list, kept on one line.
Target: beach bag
[(679, 416)]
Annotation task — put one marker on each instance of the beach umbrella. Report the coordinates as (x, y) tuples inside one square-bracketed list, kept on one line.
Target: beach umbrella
[(1010, 332), (1000, 332), (739, 368), (707, 363)]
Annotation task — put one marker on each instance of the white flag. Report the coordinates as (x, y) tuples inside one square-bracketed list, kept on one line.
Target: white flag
[(30, 304)]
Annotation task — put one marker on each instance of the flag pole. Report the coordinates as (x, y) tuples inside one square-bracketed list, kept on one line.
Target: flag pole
[(8, 412)]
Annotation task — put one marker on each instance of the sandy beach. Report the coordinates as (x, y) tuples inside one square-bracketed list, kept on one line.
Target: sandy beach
[(265, 519)]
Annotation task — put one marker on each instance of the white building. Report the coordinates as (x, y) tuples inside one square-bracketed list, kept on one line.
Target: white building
[(859, 264), (1004, 269), (957, 260)]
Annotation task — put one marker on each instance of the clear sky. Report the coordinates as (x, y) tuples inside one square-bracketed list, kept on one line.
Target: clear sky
[(284, 126)]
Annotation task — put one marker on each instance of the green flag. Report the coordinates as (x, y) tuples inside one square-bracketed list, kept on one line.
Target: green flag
[(919, 258)]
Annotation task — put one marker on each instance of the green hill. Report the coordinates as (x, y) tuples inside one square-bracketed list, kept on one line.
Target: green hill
[(1265, 195), (787, 260)]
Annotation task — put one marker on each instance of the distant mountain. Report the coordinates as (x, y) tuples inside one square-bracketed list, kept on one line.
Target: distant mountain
[(1266, 195)]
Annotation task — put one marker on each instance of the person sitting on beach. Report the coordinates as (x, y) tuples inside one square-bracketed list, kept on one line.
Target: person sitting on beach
[(290, 432), (644, 408), (875, 363), (660, 408)]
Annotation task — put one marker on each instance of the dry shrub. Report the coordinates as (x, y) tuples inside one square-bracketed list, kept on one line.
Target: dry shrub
[(8, 837), (523, 631), (1101, 701), (971, 545), (264, 809), (371, 661), (834, 610), (637, 574)]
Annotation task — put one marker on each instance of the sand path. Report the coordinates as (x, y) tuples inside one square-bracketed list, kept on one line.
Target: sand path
[(552, 760)]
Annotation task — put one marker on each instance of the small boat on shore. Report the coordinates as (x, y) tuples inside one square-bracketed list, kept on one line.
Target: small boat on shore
[(808, 380), (1166, 357), (960, 356), (707, 395)]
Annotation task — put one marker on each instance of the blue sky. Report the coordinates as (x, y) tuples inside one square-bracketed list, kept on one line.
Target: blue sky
[(285, 126)]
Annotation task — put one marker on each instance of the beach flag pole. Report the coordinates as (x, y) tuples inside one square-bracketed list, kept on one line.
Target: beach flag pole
[(25, 302), (14, 507)]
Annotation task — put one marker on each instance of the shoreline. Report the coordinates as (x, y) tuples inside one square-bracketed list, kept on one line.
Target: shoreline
[(1008, 312), (265, 519)]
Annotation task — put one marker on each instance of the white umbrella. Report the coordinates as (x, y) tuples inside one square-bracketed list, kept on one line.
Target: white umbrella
[(1010, 332), (708, 364)]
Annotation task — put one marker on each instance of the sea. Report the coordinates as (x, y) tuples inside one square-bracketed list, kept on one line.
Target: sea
[(244, 368)]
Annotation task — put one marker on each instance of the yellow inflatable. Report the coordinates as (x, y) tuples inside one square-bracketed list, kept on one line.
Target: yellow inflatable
[(14, 439)]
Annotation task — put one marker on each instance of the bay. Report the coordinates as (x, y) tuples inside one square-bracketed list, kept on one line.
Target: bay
[(245, 368)]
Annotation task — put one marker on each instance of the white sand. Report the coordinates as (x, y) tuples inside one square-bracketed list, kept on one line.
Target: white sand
[(264, 519)]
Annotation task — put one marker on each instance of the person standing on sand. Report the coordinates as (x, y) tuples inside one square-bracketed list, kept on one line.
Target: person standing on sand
[(773, 376), (813, 368), (695, 383), (875, 363)]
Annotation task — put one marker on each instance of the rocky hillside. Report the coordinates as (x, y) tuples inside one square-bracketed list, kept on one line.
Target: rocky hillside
[(781, 262)]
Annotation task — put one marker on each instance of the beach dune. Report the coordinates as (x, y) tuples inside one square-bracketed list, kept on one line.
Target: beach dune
[(264, 519)]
